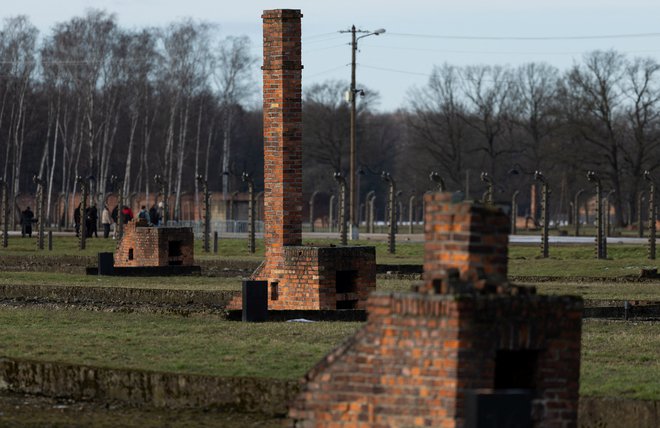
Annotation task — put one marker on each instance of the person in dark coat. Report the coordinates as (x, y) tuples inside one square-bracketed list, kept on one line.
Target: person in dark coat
[(92, 219), (153, 215), (76, 220), (115, 220), (115, 214), (27, 217)]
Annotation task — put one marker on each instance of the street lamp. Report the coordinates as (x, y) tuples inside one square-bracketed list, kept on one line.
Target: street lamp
[(514, 212), (41, 185), (82, 211), (440, 183), (576, 215), (391, 236), (162, 184), (5, 212), (118, 185), (538, 176), (652, 214), (341, 181), (353, 215), (601, 241), (488, 196), (207, 212), (247, 178)]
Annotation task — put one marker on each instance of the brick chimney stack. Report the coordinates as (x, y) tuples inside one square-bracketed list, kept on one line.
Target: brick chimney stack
[(282, 88)]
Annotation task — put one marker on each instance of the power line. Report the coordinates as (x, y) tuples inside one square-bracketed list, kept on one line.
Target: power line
[(500, 52), (392, 70), (326, 71), (305, 51), (335, 37), (451, 37), (315, 36)]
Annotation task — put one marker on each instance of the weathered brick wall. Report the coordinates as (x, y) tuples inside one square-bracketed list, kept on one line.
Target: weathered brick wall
[(467, 236), (468, 329), (418, 354), (150, 246)]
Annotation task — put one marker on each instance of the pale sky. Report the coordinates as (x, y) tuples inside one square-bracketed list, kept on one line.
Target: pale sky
[(404, 56)]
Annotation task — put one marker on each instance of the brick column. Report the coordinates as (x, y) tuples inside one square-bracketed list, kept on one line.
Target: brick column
[(282, 86), (470, 237)]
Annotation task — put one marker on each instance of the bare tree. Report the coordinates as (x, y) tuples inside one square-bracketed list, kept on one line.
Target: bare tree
[(598, 96), (436, 121), (18, 51), (187, 68), (141, 59), (535, 104), (487, 90), (326, 127), (233, 66)]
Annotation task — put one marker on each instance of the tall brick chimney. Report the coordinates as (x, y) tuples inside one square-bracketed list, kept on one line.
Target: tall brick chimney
[(282, 74), (311, 278)]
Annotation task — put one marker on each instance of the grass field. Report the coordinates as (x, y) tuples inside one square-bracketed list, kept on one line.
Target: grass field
[(564, 261), (619, 358), (163, 283), (601, 290), (202, 345)]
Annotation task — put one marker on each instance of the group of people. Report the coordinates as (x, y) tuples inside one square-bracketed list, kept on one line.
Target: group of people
[(108, 218), (91, 218)]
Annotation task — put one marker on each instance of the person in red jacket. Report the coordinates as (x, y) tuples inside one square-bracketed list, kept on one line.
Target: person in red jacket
[(127, 214)]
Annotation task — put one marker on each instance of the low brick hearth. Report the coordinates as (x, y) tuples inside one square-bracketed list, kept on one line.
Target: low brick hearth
[(145, 246)]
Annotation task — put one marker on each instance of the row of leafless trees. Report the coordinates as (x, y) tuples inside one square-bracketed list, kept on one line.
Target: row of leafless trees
[(602, 115), (94, 100)]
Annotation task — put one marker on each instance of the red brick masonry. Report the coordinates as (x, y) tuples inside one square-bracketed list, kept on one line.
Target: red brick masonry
[(466, 328), (154, 246), (323, 278), (470, 237), (418, 354), (298, 277)]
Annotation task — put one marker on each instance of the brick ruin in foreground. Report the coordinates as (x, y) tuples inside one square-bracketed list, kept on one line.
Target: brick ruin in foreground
[(144, 246), (299, 277), (423, 357)]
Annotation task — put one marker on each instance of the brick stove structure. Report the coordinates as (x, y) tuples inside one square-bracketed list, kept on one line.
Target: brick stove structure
[(423, 354), (144, 246), (299, 277)]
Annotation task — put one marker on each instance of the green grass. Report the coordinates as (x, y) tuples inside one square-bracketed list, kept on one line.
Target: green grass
[(200, 345), (564, 260), (68, 246), (602, 290), (163, 283), (619, 358), (579, 261)]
